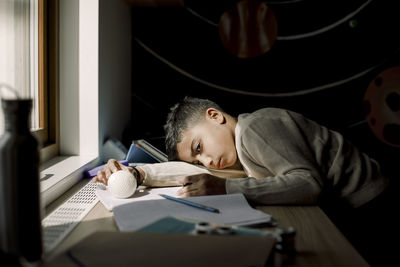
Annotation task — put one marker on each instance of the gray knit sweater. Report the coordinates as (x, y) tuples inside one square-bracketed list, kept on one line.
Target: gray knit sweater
[(292, 160)]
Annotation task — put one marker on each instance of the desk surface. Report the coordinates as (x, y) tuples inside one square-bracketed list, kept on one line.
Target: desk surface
[(318, 241)]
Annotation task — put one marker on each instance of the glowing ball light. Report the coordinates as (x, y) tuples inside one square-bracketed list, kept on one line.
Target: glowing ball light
[(382, 106), (122, 184)]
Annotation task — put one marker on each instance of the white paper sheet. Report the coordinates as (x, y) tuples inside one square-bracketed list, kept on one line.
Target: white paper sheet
[(234, 210), (141, 194)]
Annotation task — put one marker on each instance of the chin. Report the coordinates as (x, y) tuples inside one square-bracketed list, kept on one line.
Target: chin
[(229, 162), (227, 165)]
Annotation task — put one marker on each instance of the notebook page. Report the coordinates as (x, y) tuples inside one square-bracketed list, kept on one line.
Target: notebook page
[(234, 210)]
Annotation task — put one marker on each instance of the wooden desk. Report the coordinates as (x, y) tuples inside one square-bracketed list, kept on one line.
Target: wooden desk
[(318, 241)]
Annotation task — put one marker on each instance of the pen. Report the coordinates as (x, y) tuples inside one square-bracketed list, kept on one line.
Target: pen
[(193, 204)]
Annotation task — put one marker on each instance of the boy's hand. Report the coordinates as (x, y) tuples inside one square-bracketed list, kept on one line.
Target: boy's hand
[(111, 167), (202, 184)]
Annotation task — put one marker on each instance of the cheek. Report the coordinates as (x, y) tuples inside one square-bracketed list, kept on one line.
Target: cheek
[(227, 146), (222, 143), (232, 155)]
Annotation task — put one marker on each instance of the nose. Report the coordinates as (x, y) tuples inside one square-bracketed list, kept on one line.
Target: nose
[(206, 161)]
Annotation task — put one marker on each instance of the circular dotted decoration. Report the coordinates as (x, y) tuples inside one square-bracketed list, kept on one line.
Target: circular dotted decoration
[(248, 29), (382, 106)]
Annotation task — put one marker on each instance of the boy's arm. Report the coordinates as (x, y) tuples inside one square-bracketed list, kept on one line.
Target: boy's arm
[(297, 187), (169, 173), (155, 175)]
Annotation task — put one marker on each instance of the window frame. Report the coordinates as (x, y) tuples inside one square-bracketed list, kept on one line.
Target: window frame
[(47, 134)]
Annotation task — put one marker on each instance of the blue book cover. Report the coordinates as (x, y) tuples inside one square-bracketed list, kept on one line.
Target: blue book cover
[(142, 151), (136, 154)]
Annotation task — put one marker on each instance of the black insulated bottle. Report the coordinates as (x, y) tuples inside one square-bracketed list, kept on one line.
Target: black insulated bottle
[(20, 220)]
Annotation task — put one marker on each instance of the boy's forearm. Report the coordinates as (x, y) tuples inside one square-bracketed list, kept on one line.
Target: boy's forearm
[(167, 173), (294, 188)]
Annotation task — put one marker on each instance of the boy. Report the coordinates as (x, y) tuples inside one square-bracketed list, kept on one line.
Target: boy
[(282, 157)]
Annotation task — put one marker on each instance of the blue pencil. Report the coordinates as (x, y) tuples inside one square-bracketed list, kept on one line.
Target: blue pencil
[(193, 204)]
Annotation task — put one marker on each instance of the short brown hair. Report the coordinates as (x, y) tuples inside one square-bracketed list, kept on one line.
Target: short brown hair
[(183, 115)]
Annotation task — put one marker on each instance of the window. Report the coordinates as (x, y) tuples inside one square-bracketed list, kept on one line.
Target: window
[(15, 45), (49, 52), (29, 41)]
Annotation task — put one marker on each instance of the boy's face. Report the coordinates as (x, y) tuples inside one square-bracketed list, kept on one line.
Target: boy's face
[(210, 143)]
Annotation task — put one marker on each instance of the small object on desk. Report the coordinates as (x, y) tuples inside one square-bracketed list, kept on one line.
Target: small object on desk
[(122, 184), (186, 184), (285, 240), (224, 230), (203, 228), (193, 204)]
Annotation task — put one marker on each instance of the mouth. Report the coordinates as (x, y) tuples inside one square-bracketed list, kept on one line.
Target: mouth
[(220, 164)]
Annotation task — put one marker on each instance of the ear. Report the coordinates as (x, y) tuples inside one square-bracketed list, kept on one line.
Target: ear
[(215, 115)]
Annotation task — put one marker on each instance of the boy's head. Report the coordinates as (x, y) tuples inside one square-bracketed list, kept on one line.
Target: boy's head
[(197, 131)]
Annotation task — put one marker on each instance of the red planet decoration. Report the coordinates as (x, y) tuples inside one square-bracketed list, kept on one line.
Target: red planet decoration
[(248, 29), (382, 106)]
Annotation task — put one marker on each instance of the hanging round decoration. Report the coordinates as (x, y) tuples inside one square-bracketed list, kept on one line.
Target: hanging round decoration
[(248, 29), (382, 106)]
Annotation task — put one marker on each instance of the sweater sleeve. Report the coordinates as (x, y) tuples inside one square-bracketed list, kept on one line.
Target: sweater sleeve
[(297, 187), (168, 173), (279, 145)]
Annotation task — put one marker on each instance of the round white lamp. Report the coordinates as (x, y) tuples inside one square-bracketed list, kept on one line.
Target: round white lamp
[(122, 184)]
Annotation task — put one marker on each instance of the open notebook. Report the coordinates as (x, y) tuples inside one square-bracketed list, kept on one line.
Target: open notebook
[(147, 206)]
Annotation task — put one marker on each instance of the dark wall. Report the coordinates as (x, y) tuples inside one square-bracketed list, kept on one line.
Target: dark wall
[(177, 51)]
